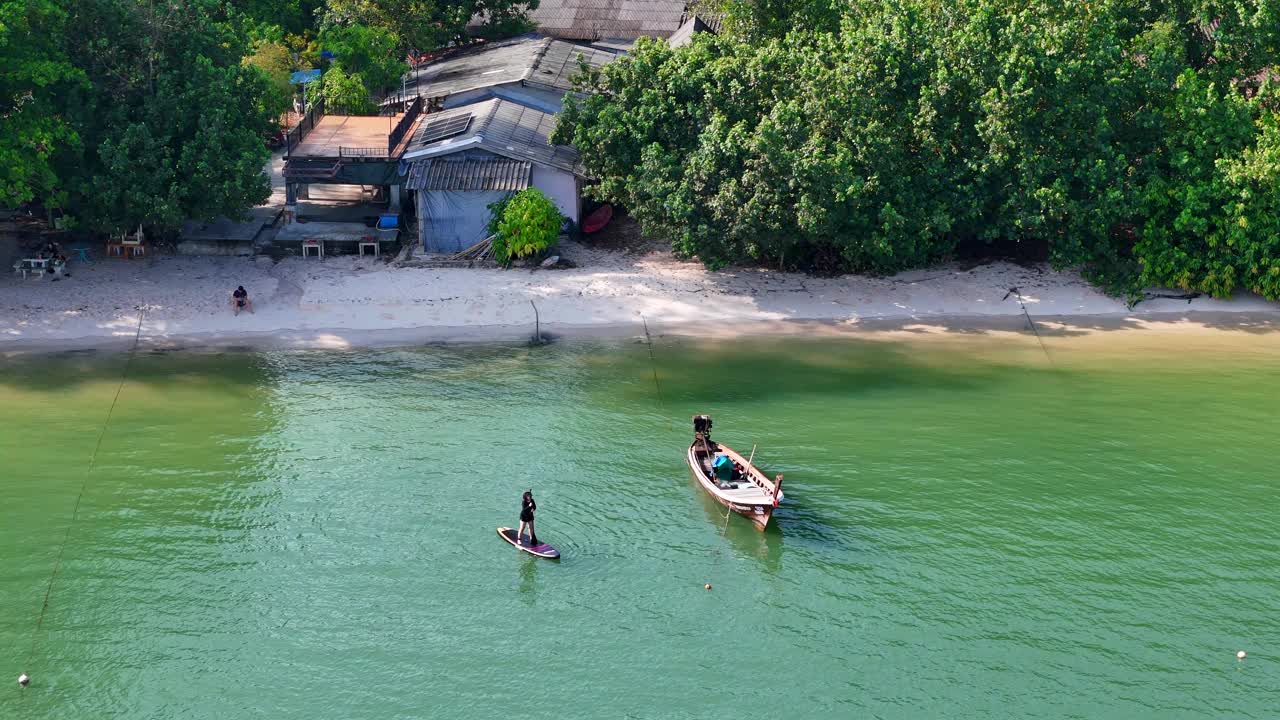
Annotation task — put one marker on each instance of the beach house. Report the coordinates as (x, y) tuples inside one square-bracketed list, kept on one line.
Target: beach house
[(463, 159)]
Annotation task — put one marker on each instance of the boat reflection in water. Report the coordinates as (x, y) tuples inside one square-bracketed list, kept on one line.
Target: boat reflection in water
[(744, 540)]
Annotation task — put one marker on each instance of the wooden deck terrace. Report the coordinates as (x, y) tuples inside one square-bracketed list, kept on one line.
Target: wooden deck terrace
[(351, 137)]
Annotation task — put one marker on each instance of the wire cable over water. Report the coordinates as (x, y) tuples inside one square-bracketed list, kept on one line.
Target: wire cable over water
[(1018, 294), (84, 484), (653, 363)]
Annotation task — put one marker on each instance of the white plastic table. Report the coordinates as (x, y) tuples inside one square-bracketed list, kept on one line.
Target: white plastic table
[(28, 265)]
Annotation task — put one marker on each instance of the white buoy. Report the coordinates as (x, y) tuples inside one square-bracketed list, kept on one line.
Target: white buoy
[(23, 679), (1241, 655)]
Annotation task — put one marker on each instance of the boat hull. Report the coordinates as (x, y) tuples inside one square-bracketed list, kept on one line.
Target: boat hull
[(758, 513)]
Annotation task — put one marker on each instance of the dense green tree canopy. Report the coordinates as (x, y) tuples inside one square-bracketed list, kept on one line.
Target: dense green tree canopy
[(34, 72), (1134, 139), (290, 16), (273, 60), (370, 52), (172, 123), (345, 94), (426, 25), (128, 112)]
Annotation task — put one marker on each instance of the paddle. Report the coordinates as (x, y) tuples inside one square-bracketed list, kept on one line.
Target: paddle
[(749, 461)]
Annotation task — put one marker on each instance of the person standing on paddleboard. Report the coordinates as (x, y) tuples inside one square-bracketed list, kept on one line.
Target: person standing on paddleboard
[(527, 508)]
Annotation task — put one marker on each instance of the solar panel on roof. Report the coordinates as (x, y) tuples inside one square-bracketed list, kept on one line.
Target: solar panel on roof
[(445, 128)]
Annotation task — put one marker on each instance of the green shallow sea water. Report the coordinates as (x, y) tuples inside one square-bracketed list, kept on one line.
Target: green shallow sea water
[(970, 531)]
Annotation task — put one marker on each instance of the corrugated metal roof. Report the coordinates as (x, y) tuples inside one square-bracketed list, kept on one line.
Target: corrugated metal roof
[(617, 46), (469, 174), (558, 63), (596, 19), (528, 59), (713, 20), (503, 128), (496, 63), (685, 34)]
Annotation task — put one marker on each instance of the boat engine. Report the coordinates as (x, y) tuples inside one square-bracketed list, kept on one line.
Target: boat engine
[(702, 426)]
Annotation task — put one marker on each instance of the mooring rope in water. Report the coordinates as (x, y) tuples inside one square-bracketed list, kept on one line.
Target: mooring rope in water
[(653, 364), (724, 530), (1014, 291), (719, 551), (84, 484)]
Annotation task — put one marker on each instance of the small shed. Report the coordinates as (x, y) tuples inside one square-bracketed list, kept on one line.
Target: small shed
[(462, 160), (454, 194)]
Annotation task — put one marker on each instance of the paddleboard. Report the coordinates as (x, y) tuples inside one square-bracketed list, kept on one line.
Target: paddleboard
[(542, 550)]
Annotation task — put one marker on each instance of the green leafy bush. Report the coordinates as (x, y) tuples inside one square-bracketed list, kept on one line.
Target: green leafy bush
[(1137, 141), (273, 61), (345, 94), (495, 212), (370, 52), (527, 223)]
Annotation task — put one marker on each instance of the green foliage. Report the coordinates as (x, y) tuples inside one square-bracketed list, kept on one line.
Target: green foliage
[(172, 124), (757, 20), (306, 48), (426, 26), (529, 224), (496, 210), (370, 52), (345, 94), (1213, 217), (1115, 134), (34, 72), (289, 16), (276, 65)]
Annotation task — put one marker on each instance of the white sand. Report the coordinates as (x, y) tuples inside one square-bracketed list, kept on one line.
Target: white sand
[(345, 301)]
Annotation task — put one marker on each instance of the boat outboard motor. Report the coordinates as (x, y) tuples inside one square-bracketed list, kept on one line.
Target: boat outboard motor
[(702, 425)]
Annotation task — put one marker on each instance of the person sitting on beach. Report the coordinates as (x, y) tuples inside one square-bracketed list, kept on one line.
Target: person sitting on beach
[(240, 300)]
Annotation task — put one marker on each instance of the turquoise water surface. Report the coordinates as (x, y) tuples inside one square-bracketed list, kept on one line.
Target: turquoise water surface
[(971, 531)]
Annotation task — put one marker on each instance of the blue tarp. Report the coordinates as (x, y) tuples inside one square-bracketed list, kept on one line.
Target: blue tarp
[(302, 77), (723, 467)]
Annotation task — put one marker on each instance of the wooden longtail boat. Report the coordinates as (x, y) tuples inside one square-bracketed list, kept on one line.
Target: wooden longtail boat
[(744, 489)]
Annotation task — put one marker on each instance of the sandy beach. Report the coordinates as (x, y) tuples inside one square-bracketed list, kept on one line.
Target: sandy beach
[(349, 301)]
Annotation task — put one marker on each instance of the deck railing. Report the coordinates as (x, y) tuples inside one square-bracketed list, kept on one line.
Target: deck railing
[(313, 117), (294, 137), (411, 114), (361, 152)]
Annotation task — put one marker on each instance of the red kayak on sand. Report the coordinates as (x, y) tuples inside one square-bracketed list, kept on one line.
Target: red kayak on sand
[(542, 550), (598, 218)]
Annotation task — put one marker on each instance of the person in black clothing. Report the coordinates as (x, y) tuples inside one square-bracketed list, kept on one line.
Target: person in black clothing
[(527, 508), (240, 300)]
